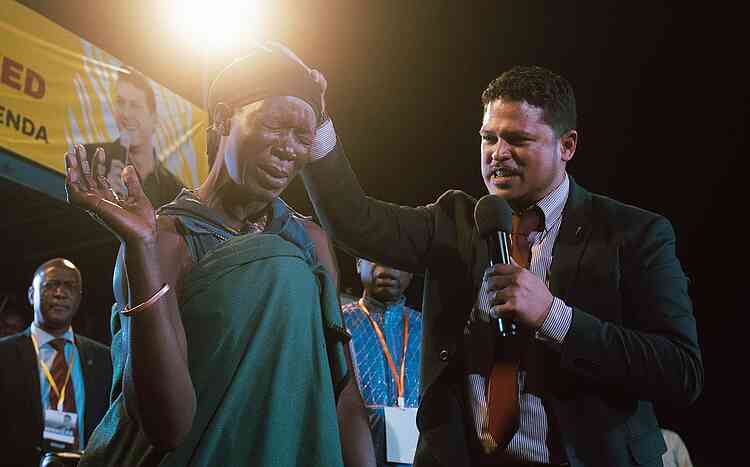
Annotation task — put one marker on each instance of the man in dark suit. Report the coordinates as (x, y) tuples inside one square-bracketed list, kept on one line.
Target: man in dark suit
[(602, 302), (49, 374)]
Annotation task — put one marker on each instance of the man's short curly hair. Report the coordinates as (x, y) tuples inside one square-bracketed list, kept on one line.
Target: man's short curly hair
[(539, 87)]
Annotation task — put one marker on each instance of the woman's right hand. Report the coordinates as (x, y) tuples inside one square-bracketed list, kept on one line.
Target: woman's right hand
[(132, 218)]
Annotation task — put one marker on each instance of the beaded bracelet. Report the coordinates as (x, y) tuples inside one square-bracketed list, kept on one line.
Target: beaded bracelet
[(154, 298)]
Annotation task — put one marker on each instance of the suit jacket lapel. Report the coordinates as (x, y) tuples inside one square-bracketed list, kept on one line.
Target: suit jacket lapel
[(88, 383), (571, 240), (29, 360)]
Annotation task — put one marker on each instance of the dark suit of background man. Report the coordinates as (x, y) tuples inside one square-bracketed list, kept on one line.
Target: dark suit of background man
[(609, 321), (136, 117), (25, 391)]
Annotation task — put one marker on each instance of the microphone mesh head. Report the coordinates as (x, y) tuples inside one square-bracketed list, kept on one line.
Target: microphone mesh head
[(492, 214)]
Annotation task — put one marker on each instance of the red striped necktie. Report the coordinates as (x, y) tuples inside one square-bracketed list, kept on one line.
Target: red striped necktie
[(59, 372)]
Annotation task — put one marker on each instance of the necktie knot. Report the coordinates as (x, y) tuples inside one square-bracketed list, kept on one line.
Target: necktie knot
[(57, 344), (527, 221), (524, 223)]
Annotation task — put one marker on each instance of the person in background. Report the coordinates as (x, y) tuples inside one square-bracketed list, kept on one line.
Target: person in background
[(385, 332), (48, 372), (12, 318), (137, 120)]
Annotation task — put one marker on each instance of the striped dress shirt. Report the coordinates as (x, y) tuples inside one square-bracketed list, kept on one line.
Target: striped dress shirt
[(530, 441)]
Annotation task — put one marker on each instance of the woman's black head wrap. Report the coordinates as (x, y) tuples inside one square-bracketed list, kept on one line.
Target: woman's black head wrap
[(263, 73)]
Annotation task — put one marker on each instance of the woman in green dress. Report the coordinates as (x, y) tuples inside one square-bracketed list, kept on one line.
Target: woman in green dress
[(228, 344)]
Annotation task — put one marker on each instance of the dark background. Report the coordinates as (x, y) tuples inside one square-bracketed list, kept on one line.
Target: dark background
[(662, 100)]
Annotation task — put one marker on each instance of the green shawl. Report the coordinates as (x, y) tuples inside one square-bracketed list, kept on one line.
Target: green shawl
[(266, 356)]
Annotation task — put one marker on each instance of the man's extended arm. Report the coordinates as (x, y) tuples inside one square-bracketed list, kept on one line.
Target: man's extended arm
[(395, 235)]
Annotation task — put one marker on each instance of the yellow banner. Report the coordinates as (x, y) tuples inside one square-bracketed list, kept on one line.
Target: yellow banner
[(57, 89)]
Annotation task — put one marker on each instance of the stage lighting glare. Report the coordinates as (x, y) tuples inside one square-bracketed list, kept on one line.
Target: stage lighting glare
[(218, 25)]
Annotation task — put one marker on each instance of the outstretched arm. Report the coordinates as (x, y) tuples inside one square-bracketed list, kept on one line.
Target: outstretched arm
[(157, 368)]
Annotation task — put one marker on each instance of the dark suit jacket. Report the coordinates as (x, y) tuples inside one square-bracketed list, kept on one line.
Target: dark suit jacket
[(20, 405), (632, 339)]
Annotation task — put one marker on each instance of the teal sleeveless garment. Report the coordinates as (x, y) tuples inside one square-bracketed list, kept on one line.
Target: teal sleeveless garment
[(265, 352)]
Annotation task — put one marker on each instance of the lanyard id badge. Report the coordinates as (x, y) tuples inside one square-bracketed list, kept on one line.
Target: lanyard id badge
[(401, 434), (60, 429)]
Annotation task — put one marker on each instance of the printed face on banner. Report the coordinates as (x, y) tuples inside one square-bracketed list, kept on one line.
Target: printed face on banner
[(58, 90), (135, 120)]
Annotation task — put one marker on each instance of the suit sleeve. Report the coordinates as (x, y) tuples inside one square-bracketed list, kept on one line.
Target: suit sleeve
[(654, 352), (399, 236)]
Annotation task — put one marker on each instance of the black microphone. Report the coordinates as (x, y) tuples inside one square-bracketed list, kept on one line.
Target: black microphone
[(125, 143), (494, 220)]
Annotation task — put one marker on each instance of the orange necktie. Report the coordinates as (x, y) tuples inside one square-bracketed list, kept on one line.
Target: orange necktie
[(502, 389)]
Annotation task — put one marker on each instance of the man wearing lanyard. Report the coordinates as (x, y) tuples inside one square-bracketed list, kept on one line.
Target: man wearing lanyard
[(385, 347), (54, 384)]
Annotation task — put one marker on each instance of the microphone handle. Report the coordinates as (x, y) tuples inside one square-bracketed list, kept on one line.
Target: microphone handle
[(498, 246), (126, 163)]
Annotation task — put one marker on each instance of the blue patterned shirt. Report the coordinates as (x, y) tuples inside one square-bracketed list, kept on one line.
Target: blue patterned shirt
[(373, 373)]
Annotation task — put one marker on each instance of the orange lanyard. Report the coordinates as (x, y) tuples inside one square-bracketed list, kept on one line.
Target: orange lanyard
[(397, 377), (60, 392)]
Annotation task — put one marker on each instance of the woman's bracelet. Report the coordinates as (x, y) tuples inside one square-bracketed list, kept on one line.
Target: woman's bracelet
[(154, 298)]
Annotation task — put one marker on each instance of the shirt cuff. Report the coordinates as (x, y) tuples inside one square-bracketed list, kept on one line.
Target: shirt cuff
[(557, 323), (324, 141)]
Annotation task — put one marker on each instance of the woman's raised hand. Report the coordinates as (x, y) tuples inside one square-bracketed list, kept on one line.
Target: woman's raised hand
[(132, 218)]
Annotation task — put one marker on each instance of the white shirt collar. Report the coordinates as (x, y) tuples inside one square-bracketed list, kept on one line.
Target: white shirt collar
[(552, 205), (43, 337)]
